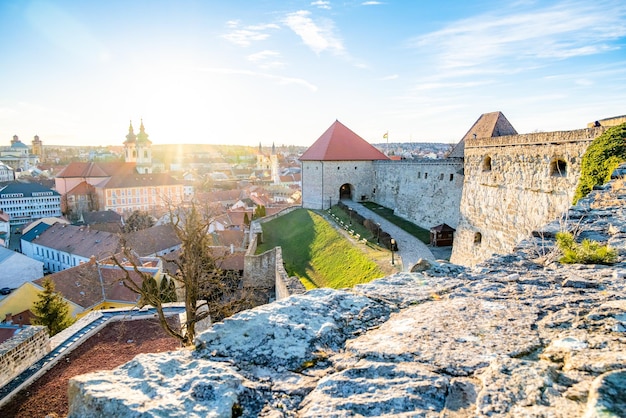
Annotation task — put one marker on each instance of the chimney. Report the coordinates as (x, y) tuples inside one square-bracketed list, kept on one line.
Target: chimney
[(8, 318), (232, 248)]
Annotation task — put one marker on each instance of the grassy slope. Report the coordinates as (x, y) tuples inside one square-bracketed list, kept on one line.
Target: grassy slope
[(315, 252)]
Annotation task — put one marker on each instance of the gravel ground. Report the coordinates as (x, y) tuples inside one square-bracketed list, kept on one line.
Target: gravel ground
[(114, 345)]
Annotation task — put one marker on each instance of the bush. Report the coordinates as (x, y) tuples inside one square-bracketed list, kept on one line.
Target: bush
[(601, 158), (587, 252)]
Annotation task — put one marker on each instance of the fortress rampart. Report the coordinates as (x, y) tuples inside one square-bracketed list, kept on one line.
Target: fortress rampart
[(427, 192), (513, 185)]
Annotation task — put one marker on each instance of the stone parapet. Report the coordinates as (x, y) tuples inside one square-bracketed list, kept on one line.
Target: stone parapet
[(536, 138), (20, 352)]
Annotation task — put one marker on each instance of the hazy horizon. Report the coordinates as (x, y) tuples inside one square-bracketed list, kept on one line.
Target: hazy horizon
[(249, 72)]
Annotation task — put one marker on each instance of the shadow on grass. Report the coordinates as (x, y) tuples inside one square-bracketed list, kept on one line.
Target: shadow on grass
[(295, 234), (408, 226)]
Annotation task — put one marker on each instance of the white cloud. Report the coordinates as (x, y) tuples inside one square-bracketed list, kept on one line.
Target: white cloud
[(266, 59), (249, 34), (275, 78), (371, 3), (321, 4), (568, 29), (319, 36), (390, 77)]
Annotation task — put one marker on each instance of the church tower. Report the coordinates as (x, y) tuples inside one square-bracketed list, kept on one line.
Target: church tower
[(275, 169), (130, 146), (137, 149), (144, 151)]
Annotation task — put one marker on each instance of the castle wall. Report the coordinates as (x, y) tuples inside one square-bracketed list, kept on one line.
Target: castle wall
[(513, 185), (321, 181), (426, 192)]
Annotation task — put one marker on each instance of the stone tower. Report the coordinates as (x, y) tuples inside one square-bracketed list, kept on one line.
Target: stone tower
[(339, 165), (275, 168), (37, 147)]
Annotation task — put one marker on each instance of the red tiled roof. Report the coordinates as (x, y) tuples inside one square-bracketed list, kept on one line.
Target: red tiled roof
[(82, 188), (140, 180), (91, 283), (228, 237), (81, 241), (339, 143), (152, 240), (100, 169)]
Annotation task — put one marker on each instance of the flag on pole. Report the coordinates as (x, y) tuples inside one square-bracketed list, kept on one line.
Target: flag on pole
[(386, 135)]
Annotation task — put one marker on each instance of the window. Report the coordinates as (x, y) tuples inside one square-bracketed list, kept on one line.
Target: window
[(478, 238), (558, 168), (487, 163), (425, 176), (451, 176), (419, 174)]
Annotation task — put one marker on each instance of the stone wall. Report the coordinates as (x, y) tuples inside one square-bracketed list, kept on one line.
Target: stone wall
[(20, 352), (513, 185), (321, 181), (426, 192), (266, 272)]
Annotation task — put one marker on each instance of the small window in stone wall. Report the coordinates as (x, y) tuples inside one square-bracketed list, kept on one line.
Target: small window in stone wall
[(451, 176), (558, 168), (425, 176), (355, 168), (478, 238), (338, 167), (487, 163), (419, 174), (441, 176)]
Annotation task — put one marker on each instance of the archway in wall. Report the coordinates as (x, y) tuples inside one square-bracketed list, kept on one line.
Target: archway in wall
[(345, 191)]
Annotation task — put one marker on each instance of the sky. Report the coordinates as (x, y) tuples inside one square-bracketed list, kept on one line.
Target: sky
[(268, 71)]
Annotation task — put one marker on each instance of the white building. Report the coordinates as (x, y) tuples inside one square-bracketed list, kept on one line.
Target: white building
[(26, 202)]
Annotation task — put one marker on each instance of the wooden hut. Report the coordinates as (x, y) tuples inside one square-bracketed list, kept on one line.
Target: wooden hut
[(441, 235)]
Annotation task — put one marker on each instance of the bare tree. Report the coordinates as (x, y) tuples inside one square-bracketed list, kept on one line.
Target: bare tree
[(207, 291)]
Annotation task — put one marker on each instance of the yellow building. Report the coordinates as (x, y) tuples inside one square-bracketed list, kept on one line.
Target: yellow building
[(88, 287)]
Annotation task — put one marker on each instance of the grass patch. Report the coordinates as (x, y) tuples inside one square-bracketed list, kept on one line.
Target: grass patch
[(419, 233), (587, 252), (316, 252), (356, 227)]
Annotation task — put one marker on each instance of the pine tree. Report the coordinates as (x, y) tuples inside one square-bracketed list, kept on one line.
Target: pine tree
[(51, 310)]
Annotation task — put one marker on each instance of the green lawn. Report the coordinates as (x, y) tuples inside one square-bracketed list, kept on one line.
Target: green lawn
[(316, 252), (419, 233)]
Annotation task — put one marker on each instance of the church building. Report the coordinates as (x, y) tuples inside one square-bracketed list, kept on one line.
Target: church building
[(122, 187)]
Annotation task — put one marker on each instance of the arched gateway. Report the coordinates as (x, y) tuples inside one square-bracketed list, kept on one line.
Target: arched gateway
[(345, 191), (339, 161)]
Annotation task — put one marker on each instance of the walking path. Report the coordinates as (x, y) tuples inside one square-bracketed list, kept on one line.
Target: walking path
[(410, 248)]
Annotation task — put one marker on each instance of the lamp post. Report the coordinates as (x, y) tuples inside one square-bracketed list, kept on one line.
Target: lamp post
[(378, 234), (350, 211), (393, 245)]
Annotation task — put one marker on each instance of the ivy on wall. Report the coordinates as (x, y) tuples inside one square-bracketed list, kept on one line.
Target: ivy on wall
[(602, 157)]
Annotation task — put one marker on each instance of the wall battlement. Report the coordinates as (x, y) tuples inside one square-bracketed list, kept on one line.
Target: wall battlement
[(537, 138)]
